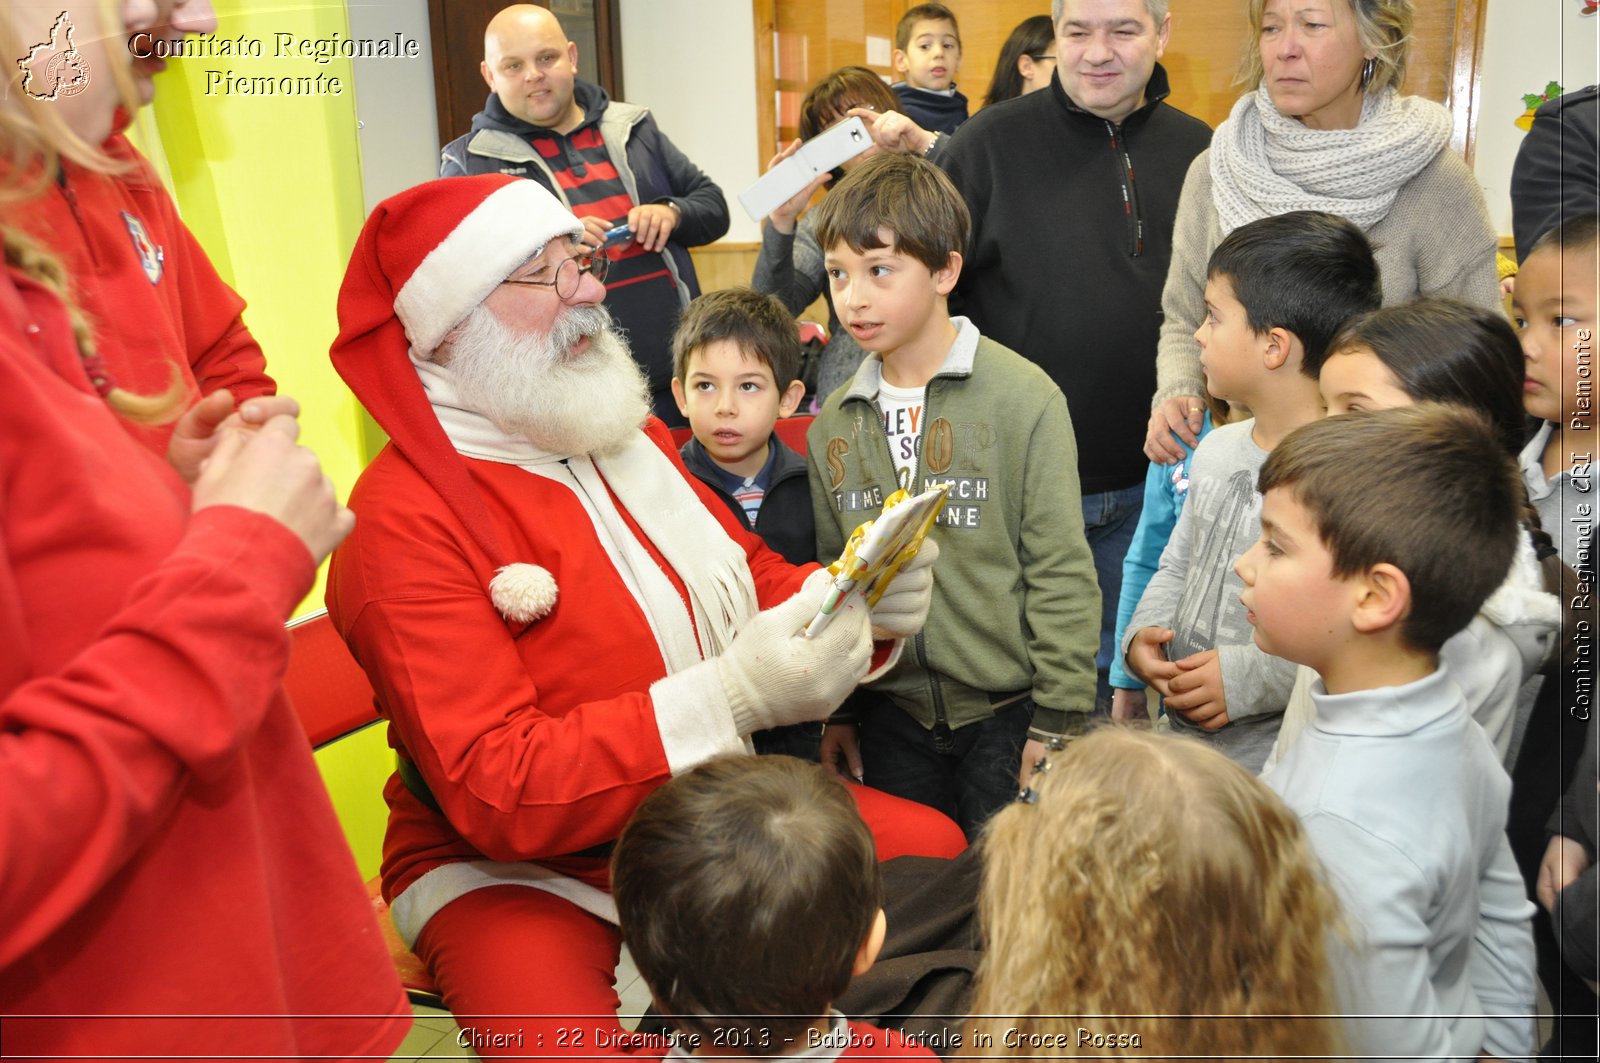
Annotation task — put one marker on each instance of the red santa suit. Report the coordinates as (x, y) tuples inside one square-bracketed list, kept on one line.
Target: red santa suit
[(529, 628), (167, 848), (146, 285)]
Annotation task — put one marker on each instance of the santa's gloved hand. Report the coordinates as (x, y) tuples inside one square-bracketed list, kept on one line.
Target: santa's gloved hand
[(773, 675), (903, 609)]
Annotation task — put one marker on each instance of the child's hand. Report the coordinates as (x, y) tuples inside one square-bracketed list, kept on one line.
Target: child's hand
[(1149, 662), (1564, 860), (1197, 691), (842, 740), (1129, 706)]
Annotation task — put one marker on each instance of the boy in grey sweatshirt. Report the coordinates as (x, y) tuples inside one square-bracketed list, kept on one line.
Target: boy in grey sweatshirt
[(1277, 291)]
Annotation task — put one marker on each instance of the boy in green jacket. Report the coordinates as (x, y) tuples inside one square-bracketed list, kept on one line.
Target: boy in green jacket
[(1005, 666)]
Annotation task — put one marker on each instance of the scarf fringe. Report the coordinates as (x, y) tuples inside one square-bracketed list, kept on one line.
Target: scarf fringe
[(712, 566)]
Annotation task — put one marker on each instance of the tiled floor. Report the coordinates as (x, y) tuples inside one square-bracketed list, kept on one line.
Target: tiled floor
[(434, 1033)]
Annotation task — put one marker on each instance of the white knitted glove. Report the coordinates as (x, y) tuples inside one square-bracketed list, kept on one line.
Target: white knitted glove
[(773, 675), (903, 609)]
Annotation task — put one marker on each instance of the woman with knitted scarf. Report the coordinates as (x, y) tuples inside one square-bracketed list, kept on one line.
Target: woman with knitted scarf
[(1324, 128)]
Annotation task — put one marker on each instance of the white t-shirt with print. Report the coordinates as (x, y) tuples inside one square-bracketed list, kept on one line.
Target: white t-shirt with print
[(902, 423)]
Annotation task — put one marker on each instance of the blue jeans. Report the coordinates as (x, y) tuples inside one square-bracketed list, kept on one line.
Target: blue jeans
[(1109, 520), (969, 773)]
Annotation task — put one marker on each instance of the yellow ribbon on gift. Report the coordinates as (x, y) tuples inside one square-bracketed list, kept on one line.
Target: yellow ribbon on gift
[(880, 582)]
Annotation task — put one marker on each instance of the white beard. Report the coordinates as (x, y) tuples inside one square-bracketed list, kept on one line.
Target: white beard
[(529, 386)]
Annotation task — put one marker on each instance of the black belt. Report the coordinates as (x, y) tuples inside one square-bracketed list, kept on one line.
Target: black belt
[(412, 779)]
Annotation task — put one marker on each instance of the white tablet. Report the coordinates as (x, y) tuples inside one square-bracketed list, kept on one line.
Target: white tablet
[(826, 151)]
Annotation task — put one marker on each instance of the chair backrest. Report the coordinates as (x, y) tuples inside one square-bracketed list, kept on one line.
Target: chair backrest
[(792, 430), (328, 689)]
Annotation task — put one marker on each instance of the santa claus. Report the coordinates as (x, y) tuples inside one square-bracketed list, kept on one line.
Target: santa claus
[(555, 616)]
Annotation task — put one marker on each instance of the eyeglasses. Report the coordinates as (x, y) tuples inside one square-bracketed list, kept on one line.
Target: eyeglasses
[(570, 274), (1039, 58)]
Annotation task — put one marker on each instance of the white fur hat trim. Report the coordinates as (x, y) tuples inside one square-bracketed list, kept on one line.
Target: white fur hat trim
[(523, 593), (511, 225)]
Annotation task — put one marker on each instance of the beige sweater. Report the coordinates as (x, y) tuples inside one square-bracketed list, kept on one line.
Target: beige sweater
[(1435, 240)]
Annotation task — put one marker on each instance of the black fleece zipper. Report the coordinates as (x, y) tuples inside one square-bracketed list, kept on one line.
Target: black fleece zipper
[(1130, 190)]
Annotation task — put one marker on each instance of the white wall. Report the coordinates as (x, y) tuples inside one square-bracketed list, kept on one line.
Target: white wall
[(1526, 44), (692, 62), (398, 128)]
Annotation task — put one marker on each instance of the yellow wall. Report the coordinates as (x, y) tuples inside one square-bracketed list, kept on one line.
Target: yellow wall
[(271, 186)]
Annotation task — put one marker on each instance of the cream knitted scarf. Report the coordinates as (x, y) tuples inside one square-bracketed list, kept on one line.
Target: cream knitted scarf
[(1264, 163)]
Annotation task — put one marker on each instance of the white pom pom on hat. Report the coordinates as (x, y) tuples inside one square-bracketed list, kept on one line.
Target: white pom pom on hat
[(522, 592), (459, 267)]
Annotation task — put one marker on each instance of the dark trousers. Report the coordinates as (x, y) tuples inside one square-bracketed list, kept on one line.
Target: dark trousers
[(1109, 521), (968, 773), (1540, 777), (803, 740)]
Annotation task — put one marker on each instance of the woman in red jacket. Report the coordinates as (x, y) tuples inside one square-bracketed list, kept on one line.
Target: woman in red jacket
[(172, 875)]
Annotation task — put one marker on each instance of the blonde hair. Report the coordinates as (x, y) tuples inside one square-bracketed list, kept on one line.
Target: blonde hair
[(35, 138), (1152, 879), (1383, 26)]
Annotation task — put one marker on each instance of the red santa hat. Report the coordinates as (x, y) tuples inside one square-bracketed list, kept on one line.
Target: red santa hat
[(425, 259)]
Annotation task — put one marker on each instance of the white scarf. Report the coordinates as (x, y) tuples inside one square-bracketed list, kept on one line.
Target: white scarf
[(1264, 164), (658, 498)]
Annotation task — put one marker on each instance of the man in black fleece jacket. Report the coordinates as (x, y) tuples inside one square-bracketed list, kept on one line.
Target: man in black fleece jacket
[(1073, 191)]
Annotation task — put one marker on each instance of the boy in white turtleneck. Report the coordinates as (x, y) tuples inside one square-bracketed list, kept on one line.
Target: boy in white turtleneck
[(1372, 555)]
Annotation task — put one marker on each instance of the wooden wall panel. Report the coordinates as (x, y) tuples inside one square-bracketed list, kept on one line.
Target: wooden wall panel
[(730, 265), (724, 264)]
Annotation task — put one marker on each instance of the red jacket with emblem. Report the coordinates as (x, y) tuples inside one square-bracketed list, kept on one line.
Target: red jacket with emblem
[(167, 848), (146, 283)]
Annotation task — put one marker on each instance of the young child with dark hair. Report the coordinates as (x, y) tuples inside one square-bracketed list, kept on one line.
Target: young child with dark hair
[(1557, 311), (749, 895), (1435, 349), (1166, 489), (735, 371), (927, 56), (1277, 291), (1371, 555), (1007, 655), (735, 368)]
